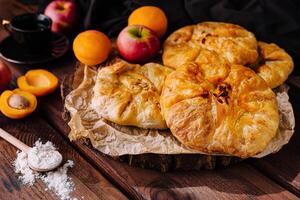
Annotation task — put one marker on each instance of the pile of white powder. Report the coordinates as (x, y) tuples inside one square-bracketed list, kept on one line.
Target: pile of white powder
[(57, 180), (44, 156)]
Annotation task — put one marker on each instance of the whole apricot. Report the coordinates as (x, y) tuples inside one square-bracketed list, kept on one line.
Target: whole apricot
[(151, 17), (92, 47), (5, 75)]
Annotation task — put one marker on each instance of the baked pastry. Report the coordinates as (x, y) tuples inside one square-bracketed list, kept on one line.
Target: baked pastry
[(220, 108), (128, 94), (274, 65), (231, 42)]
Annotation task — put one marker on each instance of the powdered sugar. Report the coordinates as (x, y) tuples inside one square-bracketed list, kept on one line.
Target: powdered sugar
[(44, 156), (57, 180), (22, 167)]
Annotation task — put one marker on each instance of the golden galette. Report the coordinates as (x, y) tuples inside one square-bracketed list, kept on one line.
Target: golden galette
[(274, 64), (204, 42), (220, 108), (128, 94)]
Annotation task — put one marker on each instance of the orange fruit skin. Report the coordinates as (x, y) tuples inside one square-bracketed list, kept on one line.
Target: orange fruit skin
[(92, 47), (151, 17)]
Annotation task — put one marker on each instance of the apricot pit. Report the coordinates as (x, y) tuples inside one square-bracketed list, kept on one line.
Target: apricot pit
[(39, 82), (17, 104)]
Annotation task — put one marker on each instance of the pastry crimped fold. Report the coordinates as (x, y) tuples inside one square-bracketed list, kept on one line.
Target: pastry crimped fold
[(128, 94), (274, 64), (220, 108), (231, 42)]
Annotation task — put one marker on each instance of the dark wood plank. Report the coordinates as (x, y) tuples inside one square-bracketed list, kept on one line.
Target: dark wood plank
[(246, 181), (239, 182), (88, 181), (148, 184), (284, 166), (138, 183)]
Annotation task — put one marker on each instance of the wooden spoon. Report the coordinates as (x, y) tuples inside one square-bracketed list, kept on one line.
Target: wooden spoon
[(25, 148)]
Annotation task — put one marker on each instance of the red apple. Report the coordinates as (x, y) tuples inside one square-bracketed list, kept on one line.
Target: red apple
[(138, 43), (5, 76), (64, 15)]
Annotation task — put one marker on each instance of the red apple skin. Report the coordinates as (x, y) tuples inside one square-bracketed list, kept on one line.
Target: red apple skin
[(5, 76), (64, 15), (138, 44)]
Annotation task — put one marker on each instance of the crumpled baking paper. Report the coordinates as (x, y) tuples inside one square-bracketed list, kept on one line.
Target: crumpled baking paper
[(116, 140)]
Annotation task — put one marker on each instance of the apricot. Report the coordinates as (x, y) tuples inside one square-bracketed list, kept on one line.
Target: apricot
[(92, 47), (17, 104), (5, 76), (39, 82), (151, 17)]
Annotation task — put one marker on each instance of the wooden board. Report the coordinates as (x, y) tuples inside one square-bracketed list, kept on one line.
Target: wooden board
[(160, 162), (267, 178), (284, 166), (150, 184), (89, 182), (241, 181)]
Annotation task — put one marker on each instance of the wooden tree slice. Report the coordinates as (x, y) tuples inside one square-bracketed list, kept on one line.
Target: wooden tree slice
[(160, 162)]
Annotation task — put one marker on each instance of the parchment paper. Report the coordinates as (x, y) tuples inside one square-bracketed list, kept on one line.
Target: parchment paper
[(116, 140)]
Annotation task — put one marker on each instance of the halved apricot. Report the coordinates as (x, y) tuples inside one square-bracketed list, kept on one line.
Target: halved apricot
[(39, 82), (17, 104)]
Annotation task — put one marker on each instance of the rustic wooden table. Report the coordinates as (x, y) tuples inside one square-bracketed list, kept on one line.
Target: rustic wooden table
[(99, 177)]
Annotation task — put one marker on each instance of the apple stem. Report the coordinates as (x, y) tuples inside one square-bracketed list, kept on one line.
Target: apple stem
[(140, 31)]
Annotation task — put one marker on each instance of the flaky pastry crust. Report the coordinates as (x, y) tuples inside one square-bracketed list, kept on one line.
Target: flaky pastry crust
[(220, 108), (274, 64), (128, 94), (232, 43)]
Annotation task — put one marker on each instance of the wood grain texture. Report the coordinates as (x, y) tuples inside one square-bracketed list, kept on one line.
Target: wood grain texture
[(140, 184), (160, 162), (284, 166), (242, 181), (88, 181), (238, 182)]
